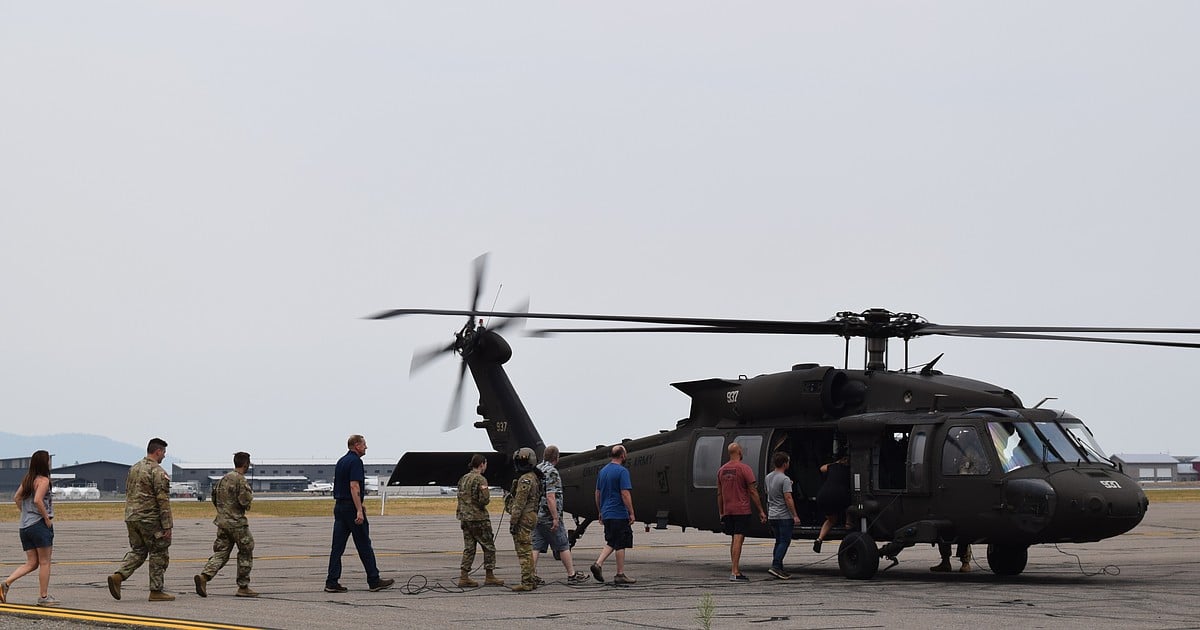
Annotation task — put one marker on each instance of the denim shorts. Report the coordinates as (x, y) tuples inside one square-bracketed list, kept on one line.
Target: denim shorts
[(543, 538), (37, 536)]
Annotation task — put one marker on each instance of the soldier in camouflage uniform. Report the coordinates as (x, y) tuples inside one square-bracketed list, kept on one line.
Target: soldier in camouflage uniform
[(526, 493), (148, 519), (231, 496), (473, 497)]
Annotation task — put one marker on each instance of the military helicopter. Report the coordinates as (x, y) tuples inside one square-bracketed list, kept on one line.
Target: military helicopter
[(933, 457)]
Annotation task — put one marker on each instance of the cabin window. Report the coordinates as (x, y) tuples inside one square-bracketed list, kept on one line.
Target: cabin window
[(917, 475), (706, 459), (751, 452), (963, 454)]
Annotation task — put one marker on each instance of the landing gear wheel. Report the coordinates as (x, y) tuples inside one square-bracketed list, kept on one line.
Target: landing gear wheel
[(858, 557), (1007, 559)]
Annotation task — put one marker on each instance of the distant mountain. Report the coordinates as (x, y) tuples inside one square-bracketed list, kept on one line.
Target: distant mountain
[(72, 448)]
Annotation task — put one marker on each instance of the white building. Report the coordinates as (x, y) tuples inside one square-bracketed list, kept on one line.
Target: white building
[(275, 475), (1152, 468)]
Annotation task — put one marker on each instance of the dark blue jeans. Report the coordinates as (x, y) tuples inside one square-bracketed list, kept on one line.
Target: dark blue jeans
[(343, 528), (783, 539)]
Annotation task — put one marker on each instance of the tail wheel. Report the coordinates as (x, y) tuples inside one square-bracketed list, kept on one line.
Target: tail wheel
[(858, 557), (1007, 559)]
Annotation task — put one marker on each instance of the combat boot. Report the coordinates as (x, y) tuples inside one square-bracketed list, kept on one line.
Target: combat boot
[(201, 585), (523, 587), (246, 591), (465, 581), (943, 567), (161, 596), (492, 580), (114, 585)]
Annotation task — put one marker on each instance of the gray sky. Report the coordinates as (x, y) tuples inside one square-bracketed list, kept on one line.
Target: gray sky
[(200, 201)]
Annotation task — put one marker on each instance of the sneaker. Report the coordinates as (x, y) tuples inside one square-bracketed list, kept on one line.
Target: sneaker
[(3, 592), (538, 581), (114, 585), (382, 584), (246, 591), (335, 588), (598, 573), (817, 546), (621, 578), (579, 577), (47, 601), (738, 577), (779, 573), (161, 596), (201, 585)]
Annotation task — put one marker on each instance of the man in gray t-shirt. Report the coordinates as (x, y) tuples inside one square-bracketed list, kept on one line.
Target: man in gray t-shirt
[(781, 511)]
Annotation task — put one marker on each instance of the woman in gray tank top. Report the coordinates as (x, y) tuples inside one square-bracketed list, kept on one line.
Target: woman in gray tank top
[(36, 503)]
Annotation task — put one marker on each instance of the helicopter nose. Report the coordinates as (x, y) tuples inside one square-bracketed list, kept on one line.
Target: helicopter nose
[(1095, 504)]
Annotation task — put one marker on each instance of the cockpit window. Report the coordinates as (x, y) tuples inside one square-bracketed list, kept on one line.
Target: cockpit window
[(963, 454), (1063, 445), (1086, 441), (1018, 445)]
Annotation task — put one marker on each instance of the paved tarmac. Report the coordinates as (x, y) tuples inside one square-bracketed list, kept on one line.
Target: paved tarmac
[(1144, 579)]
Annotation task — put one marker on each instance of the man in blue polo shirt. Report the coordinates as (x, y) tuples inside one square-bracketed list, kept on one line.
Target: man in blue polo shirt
[(349, 483)]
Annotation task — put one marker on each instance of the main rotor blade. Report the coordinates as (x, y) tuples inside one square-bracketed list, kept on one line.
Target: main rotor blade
[(756, 325), (453, 419), (549, 332), (1133, 342), (939, 329)]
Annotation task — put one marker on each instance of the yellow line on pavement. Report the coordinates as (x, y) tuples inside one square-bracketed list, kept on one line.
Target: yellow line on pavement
[(129, 620)]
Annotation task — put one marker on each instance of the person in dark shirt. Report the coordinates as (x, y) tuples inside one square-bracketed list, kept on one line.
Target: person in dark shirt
[(349, 519), (834, 496)]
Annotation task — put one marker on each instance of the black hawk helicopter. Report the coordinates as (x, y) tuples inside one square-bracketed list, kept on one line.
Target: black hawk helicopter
[(933, 457)]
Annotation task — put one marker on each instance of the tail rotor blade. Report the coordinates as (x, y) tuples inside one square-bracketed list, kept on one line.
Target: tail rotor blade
[(454, 418), (480, 268), (423, 358)]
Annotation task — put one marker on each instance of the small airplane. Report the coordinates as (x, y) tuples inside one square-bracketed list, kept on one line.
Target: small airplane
[(934, 458), (320, 487)]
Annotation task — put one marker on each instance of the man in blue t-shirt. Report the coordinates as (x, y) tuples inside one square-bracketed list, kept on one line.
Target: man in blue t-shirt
[(614, 504), (349, 485)]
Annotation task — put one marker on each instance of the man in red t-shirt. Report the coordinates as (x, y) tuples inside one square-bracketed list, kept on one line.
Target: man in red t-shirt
[(736, 490)]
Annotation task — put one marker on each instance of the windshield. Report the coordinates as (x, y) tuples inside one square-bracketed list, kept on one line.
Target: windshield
[(1086, 441), (1018, 444)]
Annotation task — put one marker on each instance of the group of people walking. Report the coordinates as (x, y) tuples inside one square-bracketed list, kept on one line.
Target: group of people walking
[(535, 509), (534, 504), (150, 526)]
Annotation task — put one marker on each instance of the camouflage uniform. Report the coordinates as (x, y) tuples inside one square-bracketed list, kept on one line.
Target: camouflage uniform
[(526, 492), (147, 517), (232, 497), (473, 497)]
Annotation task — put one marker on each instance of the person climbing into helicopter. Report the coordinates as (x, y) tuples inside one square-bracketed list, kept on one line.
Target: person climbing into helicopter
[(834, 496)]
